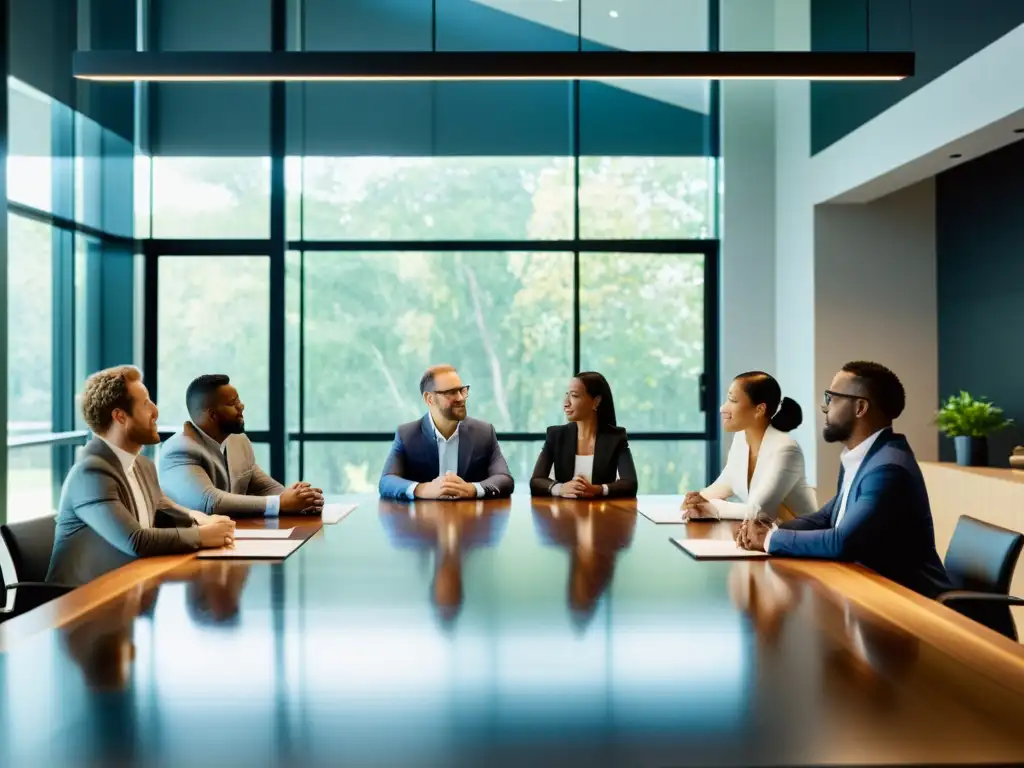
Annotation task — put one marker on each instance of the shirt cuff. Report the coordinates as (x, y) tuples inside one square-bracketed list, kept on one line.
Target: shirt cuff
[(768, 539), (410, 491), (556, 489), (480, 493), (725, 511), (273, 506), (604, 489)]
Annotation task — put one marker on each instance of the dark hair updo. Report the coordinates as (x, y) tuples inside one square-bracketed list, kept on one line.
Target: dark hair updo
[(784, 412)]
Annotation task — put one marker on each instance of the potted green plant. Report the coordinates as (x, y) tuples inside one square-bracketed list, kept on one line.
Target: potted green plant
[(969, 421)]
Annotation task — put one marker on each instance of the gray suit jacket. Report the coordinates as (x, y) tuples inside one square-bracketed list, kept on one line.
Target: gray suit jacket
[(193, 473), (98, 524)]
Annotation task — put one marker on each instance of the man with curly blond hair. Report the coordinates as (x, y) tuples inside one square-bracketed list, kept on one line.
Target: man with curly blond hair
[(111, 507)]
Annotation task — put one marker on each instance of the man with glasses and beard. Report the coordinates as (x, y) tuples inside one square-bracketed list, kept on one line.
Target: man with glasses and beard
[(210, 465), (879, 516), (445, 455)]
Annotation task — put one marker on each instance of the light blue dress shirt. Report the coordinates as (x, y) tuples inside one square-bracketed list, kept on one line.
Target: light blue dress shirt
[(273, 506), (447, 460)]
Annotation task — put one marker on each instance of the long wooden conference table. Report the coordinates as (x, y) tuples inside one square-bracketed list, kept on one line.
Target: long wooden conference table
[(502, 633)]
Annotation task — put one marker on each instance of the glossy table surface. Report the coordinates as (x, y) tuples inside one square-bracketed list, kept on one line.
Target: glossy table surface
[(502, 633)]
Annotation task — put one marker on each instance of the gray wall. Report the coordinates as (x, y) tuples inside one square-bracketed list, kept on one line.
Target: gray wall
[(980, 246), (747, 301), (875, 299), (794, 232)]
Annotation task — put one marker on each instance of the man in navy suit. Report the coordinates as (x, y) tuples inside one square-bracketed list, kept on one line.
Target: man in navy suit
[(879, 516), (445, 455)]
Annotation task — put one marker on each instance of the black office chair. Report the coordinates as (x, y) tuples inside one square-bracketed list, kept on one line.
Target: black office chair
[(980, 562), (29, 546)]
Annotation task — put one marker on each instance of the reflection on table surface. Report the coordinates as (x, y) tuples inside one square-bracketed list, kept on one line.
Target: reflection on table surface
[(448, 529), (593, 533), (518, 632)]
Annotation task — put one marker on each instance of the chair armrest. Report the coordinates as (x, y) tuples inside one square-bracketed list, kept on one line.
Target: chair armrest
[(24, 595), (962, 594), (42, 585)]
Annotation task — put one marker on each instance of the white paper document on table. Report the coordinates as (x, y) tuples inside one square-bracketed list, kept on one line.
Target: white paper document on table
[(254, 549), (263, 533), (661, 512), (334, 513), (715, 549)]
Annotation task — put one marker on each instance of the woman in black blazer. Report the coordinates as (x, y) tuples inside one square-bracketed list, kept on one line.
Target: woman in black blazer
[(590, 454)]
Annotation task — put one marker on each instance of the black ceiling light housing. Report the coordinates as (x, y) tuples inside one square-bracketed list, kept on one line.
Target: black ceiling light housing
[(221, 66)]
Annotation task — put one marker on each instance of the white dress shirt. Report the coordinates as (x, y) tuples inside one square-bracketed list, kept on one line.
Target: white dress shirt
[(447, 459), (583, 466), (128, 464), (851, 461)]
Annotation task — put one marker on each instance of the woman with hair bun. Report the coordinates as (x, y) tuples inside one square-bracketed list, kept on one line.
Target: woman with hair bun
[(764, 474)]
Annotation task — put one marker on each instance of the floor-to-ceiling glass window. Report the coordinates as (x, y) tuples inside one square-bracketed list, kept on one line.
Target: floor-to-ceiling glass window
[(520, 231), (34, 263), (59, 227)]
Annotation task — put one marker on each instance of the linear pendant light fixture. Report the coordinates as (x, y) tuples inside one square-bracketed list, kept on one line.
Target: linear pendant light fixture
[(133, 66)]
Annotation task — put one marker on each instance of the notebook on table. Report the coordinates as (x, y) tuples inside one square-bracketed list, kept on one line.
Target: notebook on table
[(263, 533), (335, 513), (661, 512), (715, 549), (253, 549)]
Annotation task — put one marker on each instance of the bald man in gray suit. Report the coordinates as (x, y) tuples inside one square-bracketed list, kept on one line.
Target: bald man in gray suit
[(111, 507)]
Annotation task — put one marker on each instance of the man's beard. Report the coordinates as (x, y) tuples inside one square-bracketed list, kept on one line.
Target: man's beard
[(837, 433), (141, 435), (452, 414), (233, 427)]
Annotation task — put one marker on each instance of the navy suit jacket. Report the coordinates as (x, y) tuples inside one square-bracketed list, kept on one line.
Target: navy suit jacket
[(887, 525), (413, 458)]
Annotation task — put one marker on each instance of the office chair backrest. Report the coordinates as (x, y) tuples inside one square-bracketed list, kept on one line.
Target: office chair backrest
[(981, 556), (30, 544)]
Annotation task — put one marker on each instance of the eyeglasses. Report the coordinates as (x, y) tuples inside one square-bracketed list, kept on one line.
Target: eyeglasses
[(829, 395), (450, 393)]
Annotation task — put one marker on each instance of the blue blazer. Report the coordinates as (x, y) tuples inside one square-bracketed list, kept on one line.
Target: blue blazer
[(887, 526), (413, 458)]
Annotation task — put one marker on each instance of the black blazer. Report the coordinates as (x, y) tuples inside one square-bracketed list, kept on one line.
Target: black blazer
[(611, 456)]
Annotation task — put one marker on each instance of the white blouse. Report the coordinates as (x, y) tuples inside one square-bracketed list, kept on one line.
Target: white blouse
[(584, 465), (779, 479)]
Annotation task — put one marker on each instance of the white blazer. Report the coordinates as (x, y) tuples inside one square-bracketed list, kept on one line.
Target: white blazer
[(778, 479)]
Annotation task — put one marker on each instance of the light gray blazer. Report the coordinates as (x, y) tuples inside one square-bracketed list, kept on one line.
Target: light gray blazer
[(194, 473), (98, 524)]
